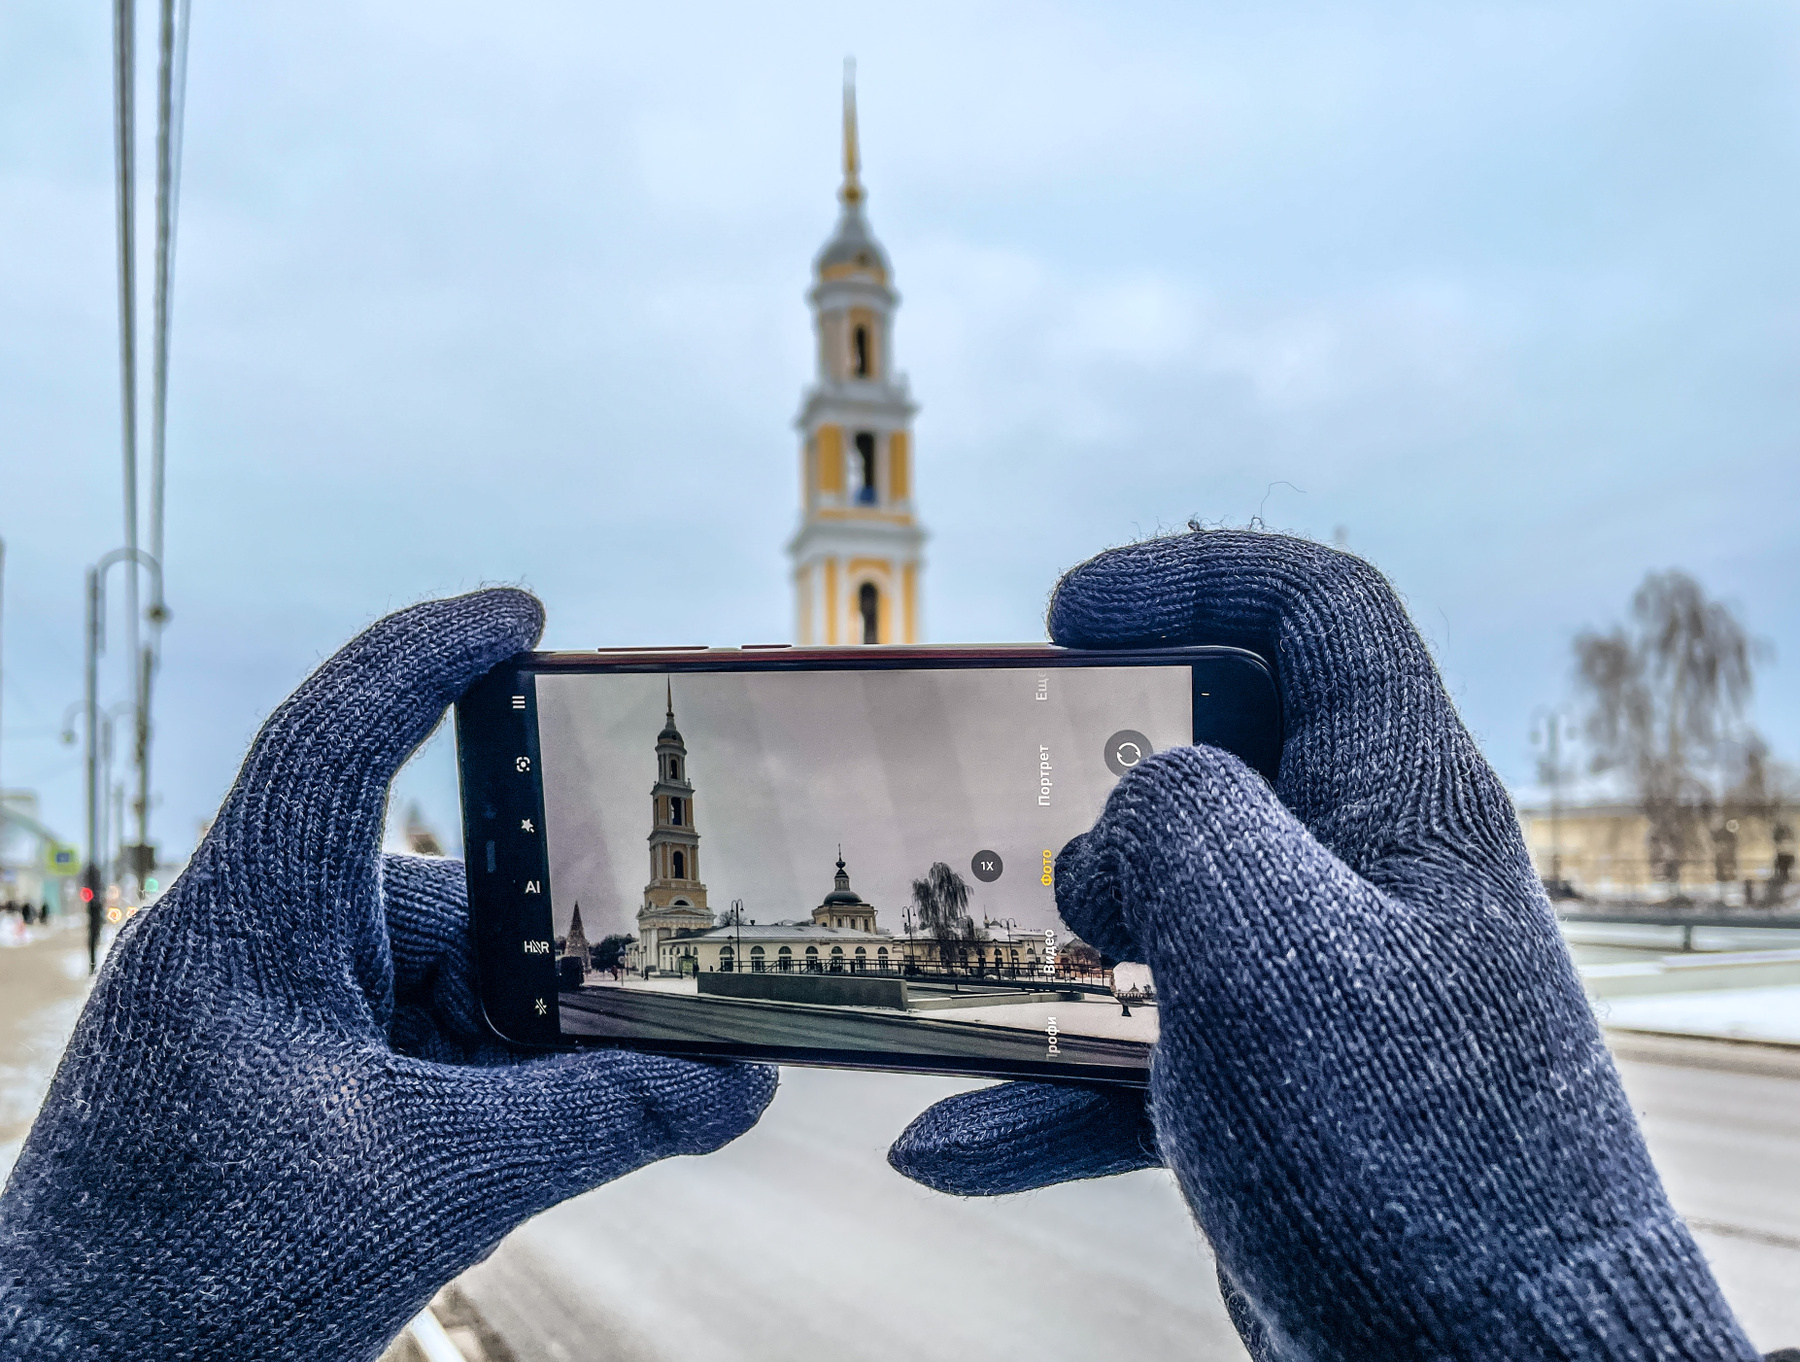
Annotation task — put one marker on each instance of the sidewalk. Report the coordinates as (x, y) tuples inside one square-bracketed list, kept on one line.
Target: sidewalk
[(43, 983)]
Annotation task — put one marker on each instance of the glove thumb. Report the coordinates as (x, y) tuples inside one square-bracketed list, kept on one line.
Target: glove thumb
[(1190, 856)]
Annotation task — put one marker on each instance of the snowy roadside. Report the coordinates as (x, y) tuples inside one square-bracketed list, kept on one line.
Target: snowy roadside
[(43, 984)]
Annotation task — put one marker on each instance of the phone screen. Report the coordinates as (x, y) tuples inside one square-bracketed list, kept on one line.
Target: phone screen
[(844, 865)]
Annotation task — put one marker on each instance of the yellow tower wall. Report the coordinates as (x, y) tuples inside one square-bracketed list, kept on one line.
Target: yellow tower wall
[(831, 600), (899, 473), (829, 444)]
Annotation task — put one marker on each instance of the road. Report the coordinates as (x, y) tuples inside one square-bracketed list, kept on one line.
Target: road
[(799, 1243), (676, 1016)]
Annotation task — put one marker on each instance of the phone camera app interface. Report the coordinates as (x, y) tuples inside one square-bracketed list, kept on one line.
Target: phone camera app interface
[(832, 859)]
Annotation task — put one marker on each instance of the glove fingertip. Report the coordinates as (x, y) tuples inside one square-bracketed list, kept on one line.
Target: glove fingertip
[(690, 1106), (1019, 1137), (1088, 896)]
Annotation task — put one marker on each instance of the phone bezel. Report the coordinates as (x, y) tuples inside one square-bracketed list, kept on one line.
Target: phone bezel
[(489, 748)]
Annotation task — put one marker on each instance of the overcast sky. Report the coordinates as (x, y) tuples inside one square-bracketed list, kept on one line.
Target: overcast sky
[(471, 293)]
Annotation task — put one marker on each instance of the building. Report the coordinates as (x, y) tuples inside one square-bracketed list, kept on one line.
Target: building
[(34, 865), (843, 906), (674, 899), (842, 936), (1601, 851), (1008, 952), (857, 554)]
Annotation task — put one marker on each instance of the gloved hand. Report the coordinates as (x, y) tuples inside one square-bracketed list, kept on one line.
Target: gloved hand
[(1378, 1082), (279, 1126)]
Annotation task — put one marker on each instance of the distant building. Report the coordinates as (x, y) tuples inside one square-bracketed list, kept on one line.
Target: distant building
[(843, 906), (857, 554), (842, 936), (1601, 851), (34, 865)]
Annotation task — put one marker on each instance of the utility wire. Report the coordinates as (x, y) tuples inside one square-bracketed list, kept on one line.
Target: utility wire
[(124, 62), (171, 95), (124, 155), (171, 89)]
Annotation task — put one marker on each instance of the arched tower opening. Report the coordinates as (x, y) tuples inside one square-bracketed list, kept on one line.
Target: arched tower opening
[(868, 605), (866, 492)]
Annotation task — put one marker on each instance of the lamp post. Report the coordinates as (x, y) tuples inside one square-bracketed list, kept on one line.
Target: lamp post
[(113, 829), (95, 646), (1546, 732)]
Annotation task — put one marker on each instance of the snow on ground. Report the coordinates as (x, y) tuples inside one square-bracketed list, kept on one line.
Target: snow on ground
[(43, 984), (1764, 1014)]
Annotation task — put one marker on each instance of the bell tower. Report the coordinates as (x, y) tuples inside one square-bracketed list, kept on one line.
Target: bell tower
[(857, 554), (674, 899)]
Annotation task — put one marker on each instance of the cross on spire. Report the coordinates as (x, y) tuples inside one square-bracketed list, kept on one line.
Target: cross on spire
[(852, 192)]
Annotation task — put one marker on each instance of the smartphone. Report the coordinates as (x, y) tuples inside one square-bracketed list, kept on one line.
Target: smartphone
[(838, 856)]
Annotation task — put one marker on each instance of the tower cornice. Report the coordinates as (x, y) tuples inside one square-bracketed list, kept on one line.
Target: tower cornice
[(827, 295), (884, 404)]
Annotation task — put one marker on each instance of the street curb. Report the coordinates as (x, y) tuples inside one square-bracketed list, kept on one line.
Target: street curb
[(1770, 1059)]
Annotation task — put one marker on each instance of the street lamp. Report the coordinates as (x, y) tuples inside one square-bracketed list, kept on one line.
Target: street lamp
[(96, 645), (1546, 733), (113, 834)]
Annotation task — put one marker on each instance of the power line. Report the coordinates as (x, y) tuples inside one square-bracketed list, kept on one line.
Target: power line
[(124, 131), (171, 88), (170, 98)]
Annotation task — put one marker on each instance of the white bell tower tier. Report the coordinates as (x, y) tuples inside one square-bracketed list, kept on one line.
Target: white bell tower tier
[(857, 554)]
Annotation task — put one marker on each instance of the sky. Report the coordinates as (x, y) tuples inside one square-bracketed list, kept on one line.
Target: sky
[(1503, 296), (893, 770)]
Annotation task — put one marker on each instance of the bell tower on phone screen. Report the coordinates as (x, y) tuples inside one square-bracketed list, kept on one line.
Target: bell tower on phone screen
[(857, 554)]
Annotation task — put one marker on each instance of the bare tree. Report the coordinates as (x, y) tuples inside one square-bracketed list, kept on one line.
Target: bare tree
[(1667, 692), (942, 901)]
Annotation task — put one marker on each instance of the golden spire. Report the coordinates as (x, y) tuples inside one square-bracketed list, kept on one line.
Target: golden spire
[(852, 192)]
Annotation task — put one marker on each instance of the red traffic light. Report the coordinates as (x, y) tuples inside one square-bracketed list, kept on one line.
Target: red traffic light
[(87, 895)]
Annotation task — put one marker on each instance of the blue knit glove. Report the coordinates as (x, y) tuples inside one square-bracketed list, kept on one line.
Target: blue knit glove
[(280, 1125), (1378, 1082)]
